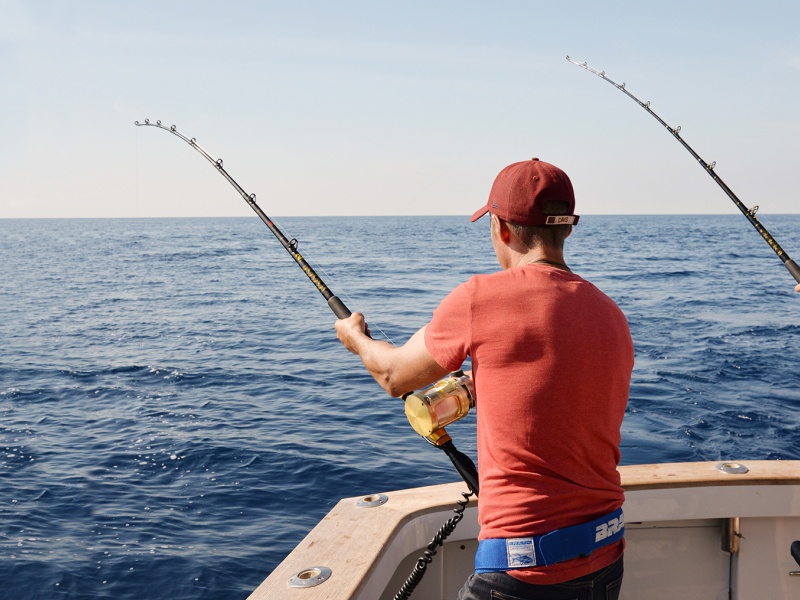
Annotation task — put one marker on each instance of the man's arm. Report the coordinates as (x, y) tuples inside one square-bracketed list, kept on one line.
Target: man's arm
[(397, 369)]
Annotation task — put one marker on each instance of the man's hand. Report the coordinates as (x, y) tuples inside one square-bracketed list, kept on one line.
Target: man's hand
[(351, 331)]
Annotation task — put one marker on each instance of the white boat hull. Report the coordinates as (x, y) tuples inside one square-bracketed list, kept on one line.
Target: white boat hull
[(679, 517)]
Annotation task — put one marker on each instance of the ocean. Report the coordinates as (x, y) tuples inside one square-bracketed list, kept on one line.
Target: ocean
[(176, 412)]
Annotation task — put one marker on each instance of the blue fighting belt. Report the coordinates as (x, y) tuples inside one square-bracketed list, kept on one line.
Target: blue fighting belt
[(554, 547)]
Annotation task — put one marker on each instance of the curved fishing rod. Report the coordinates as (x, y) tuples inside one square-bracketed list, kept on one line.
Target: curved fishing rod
[(463, 464), (337, 306), (750, 213)]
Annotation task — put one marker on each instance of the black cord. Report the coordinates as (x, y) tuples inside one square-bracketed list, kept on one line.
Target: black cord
[(438, 540)]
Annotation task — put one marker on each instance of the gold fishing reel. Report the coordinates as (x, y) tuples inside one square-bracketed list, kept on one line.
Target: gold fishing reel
[(431, 409)]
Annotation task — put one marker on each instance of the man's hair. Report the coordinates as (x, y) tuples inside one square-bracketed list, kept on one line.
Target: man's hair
[(533, 236)]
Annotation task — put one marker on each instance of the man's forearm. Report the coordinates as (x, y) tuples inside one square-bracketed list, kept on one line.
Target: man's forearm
[(397, 369)]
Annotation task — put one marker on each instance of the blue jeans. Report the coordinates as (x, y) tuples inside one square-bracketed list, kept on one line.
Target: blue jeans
[(600, 585)]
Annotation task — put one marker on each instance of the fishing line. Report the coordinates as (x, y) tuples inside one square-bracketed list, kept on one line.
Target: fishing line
[(137, 173), (450, 389), (336, 305), (427, 421), (291, 245), (347, 297), (749, 213)]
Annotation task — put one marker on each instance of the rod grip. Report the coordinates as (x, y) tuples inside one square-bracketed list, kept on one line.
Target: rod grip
[(463, 464), (338, 307), (793, 269)]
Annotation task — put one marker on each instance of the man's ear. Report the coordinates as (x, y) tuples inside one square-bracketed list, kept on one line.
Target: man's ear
[(503, 232)]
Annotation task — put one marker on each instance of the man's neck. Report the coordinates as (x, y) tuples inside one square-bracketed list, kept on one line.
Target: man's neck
[(542, 255)]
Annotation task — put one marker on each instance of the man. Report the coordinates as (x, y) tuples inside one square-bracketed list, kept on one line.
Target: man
[(551, 363)]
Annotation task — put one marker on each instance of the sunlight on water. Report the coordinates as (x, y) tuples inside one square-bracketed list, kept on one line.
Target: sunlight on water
[(176, 413)]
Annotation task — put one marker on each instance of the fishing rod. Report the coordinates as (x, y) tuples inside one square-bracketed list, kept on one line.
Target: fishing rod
[(337, 306), (448, 392), (749, 213)]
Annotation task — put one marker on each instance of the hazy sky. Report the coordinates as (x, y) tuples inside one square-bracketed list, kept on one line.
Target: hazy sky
[(365, 108)]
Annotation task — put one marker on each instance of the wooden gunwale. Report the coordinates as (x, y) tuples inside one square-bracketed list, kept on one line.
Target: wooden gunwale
[(695, 474), (351, 540)]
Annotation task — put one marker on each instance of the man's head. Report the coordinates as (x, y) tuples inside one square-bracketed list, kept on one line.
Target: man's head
[(535, 197)]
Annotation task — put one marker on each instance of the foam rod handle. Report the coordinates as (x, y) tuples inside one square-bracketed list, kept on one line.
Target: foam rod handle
[(796, 551), (793, 269), (338, 307)]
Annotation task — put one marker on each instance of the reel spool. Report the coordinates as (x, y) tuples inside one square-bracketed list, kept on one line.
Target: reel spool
[(431, 409)]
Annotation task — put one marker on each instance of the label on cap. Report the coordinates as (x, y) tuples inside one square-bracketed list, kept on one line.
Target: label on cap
[(561, 220)]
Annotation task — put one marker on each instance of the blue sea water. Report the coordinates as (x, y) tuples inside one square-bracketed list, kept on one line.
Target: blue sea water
[(176, 413)]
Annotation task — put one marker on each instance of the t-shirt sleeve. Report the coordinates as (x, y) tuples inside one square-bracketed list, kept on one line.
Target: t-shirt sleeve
[(447, 336)]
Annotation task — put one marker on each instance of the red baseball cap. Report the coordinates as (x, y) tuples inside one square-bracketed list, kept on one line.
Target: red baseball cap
[(521, 190)]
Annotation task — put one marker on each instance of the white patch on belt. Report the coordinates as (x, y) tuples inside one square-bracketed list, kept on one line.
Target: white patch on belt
[(520, 552)]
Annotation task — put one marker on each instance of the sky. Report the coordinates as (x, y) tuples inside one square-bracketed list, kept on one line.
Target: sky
[(403, 108)]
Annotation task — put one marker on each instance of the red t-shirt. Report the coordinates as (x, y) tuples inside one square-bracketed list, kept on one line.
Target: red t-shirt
[(551, 357)]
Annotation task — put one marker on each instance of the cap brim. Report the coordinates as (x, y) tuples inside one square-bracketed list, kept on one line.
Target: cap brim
[(479, 213)]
